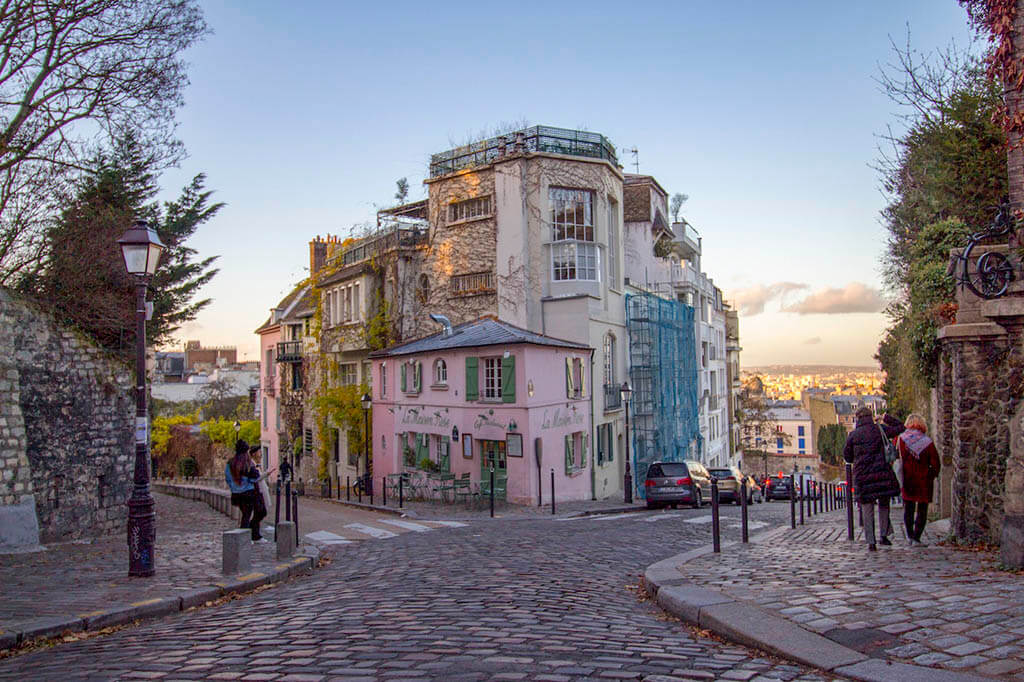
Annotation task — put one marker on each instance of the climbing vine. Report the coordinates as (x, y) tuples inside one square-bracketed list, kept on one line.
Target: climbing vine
[(1005, 63)]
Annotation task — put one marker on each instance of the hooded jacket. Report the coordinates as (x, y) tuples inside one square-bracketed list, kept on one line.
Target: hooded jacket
[(873, 478)]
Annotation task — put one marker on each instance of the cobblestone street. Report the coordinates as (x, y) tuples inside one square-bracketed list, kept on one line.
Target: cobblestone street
[(536, 599)]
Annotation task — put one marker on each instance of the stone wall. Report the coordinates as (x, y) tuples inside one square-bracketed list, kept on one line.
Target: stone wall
[(66, 425)]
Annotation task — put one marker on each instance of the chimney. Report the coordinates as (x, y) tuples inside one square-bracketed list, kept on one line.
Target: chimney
[(317, 255)]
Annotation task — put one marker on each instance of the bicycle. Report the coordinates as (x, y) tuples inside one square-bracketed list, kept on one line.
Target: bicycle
[(993, 272)]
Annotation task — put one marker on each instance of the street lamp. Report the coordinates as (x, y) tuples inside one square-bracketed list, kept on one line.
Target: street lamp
[(141, 248), (627, 481), (366, 402)]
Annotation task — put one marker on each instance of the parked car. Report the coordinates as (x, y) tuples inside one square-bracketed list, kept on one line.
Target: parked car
[(675, 483), (729, 479), (754, 492), (779, 488)]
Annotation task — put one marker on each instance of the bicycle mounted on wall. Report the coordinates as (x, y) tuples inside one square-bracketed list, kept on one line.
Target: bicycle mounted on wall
[(993, 271)]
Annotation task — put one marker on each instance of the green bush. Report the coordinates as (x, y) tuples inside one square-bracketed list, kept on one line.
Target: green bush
[(188, 467)]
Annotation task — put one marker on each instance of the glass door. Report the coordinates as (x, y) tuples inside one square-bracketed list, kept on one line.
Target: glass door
[(493, 454)]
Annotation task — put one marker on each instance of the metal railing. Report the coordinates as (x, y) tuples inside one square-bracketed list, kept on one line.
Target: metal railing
[(385, 240), (612, 397), (472, 283), (535, 139), (289, 351)]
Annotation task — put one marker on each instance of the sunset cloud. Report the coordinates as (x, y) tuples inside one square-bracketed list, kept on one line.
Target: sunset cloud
[(752, 301), (855, 297), (813, 341)]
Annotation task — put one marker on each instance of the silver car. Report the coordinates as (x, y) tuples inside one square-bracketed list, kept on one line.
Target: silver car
[(675, 483)]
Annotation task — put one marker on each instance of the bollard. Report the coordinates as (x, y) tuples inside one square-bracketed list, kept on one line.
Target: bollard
[(359, 490), (329, 495), (803, 498), (743, 509), (348, 488), (295, 515), (287, 500), (369, 482), (277, 502), (552, 491), (848, 502), (492, 492), (819, 498), (384, 491), (401, 491), (792, 504), (284, 536), (715, 537)]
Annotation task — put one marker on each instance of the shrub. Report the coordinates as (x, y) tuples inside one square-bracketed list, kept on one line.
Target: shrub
[(188, 467)]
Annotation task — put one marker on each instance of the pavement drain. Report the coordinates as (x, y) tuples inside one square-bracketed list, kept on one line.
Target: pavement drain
[(868, 641)]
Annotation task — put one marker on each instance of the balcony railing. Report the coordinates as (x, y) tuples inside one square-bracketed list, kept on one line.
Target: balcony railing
[(612, 397), (385, 240), (535, 139), (289, 351), (472, 284)]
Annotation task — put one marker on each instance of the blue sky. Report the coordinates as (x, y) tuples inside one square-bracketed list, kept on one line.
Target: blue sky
[(766, 114)]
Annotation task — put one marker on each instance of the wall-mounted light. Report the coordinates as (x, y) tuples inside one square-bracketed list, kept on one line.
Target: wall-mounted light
[(512, 426)]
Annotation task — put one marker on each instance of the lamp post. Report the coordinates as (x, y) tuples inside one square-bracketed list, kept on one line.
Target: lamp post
[(366, 402), (627, 481), (141, 248)]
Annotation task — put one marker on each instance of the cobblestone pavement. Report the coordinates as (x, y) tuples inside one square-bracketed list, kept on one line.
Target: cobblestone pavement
[(536, 599), (932, 606), (77, 577)]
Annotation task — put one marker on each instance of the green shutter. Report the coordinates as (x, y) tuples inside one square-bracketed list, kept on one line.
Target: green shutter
[(508, 379), (600, 443), (583, 379), (568, 455), (610, 432), (472, 391), (569, 390), (402, 373), (417, 376), (585, 443)]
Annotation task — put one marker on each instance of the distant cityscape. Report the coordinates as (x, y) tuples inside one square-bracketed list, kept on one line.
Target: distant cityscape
[(788, 382)]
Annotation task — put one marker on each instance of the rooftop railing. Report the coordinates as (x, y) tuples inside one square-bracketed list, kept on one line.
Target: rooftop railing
[(535, 139), (385, 240)]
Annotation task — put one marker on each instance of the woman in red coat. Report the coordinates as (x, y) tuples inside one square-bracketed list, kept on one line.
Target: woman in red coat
[(920, 462)]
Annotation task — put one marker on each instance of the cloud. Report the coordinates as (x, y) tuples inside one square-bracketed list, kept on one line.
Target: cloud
[(855, 297), (751, 301), (813, 341)]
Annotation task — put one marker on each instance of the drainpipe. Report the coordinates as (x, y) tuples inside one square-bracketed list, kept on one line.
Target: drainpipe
[(593, 432)]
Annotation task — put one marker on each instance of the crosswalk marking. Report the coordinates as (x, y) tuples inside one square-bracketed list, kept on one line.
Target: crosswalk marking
[(699, 519), (661, 517), (324, 537), (407, 525), (607, 517), (450, 524), (373, 532)]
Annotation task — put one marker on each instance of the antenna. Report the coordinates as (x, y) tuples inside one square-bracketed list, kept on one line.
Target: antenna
[(636, 158)]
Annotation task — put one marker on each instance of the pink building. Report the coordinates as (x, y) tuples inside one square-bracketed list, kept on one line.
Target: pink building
[(484, 394)]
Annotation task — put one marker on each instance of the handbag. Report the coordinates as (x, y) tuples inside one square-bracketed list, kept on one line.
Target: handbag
[(891, 453), (897, 468)]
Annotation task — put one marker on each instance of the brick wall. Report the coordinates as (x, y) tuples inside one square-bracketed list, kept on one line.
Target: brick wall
[(66, 419)]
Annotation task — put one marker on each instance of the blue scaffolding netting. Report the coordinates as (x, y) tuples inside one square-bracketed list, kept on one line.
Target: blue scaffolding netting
[(663, 371)]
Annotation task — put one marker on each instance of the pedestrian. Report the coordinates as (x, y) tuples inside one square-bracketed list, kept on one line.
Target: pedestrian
[(285, 470), (242, 477), (873, 478), (920, 462)]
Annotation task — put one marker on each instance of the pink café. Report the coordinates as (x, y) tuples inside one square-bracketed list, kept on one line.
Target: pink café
[(486, 394)]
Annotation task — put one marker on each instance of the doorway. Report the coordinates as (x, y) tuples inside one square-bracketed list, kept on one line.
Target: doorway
[(493, 454)]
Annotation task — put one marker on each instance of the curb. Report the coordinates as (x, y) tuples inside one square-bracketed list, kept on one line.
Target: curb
[(745, 623), (365, 507), (599, 512), (123, 614)]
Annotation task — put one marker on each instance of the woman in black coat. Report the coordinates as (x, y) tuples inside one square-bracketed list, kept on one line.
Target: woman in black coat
[(873, 477)]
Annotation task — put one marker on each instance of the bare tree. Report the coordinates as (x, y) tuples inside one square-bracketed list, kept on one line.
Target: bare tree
[(73, 72), (678, 199)]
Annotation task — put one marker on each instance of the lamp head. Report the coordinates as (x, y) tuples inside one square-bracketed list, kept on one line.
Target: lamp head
[(141, 249)]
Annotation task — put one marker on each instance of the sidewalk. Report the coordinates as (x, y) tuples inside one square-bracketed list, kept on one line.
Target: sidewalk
[(901, 613), (84, 585)]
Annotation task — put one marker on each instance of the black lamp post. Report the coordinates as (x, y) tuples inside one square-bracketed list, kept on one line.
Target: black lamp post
[(141, 248), (366, 401), (627, 481)]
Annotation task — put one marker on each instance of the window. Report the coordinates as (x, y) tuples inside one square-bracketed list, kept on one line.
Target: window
[(800, 431), (801, 443), (296, 377), (574, 255), (264, 413), (575, 378), (609, 359), (613, 244), (412, 376), (347, 374), (492, 378), (440, 372), (472, 283), (469, 209), (575, 452), (423, 290), (383, 380), (778, 444), (357, 303), (605, 444)]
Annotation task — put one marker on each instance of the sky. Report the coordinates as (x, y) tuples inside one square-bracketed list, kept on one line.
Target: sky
[(767, 114)]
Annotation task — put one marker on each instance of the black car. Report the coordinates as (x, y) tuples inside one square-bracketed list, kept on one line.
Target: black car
[(779, 488), (675, 483)]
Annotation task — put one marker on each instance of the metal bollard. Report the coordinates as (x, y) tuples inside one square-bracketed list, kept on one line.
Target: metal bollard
[(715, 536), (295, 515), (792, 504), (369, 482), (492, 492), (329, 495), (848, 502), (384, 491), (743, 509), (803, 498), (401, 491), (359, 490), (552, 491), (348, 488), (287, 500), (819, 498), (277, 502)]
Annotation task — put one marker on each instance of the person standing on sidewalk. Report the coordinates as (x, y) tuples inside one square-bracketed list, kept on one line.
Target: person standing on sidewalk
[(241, 476), (873, 478), (920, 461)]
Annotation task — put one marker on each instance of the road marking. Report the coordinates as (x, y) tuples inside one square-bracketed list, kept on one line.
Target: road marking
[(407, 525), (660, 517), (378, 533), (450, 524), (699, 519), (751, 525), (324, 537), (606, 517)]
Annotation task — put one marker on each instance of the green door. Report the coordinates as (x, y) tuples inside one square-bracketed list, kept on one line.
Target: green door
[(444, 454), (493, 454)]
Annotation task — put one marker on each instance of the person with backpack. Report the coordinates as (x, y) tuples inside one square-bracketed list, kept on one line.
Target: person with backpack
[(242, 477), (873, 478)]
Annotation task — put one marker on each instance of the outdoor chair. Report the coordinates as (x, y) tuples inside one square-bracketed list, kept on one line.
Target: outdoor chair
[(462, 488), (444, 485)]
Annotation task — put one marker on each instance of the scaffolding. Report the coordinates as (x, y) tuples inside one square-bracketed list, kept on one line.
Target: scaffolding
[(663, 371)]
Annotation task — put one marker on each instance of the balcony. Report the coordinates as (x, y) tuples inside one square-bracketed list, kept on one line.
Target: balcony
[(386, 239), (612, 397), (472, 284), (535, 139), (289, 351)]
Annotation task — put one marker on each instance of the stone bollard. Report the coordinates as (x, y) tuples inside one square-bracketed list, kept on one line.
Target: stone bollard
[(237, 551), (284, 532)]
